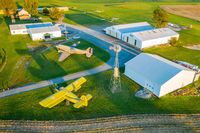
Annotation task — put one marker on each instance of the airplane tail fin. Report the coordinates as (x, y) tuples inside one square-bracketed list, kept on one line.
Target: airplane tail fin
[(83, 101), (89, 52)]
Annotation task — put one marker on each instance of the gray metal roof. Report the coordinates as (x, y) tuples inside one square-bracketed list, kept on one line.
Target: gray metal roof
[(154, 34), (24, 26), (131, 25), (136, 29), (44, 29), (17, 26), (155, 68)]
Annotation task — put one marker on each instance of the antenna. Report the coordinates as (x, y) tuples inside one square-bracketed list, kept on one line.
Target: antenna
[(115, 82)]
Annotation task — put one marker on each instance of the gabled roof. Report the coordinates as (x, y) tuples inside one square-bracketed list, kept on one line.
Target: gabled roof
[(123, 26), (154, 34), (155, 68), (22, 12), (29, 25), (136, 29), (44, 29)]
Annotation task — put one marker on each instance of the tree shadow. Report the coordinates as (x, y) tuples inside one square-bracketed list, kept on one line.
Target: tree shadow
[(44, 68), (18, 21)]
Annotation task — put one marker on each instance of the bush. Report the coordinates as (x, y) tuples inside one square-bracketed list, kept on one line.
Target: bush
[(46, 11), (55, 13), (173, 41)]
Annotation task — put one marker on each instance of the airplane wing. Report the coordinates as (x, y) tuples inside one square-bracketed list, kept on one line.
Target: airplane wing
[(63, 56), (76, 85), (54, 99), (83, 101), (65, 93)]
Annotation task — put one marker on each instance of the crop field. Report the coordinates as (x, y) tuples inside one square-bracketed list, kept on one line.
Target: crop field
[(188, 11)]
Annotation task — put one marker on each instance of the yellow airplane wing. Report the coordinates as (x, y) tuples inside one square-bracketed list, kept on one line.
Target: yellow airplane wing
[(54, 99), (83, 101), (76, 85), (65, 93)]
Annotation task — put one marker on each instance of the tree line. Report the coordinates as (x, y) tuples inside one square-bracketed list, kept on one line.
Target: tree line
[(31, 6)]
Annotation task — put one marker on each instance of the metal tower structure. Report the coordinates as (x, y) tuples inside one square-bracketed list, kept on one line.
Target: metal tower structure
[(115, 82)]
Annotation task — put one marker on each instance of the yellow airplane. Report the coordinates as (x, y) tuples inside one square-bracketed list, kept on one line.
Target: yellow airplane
[(66, 94)]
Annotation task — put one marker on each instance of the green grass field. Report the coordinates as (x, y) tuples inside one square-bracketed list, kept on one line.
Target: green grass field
[(89, 13), (46, 65), (104, 103), (41, 66)]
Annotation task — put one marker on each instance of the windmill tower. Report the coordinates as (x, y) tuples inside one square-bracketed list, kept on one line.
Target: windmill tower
[(115, 82)]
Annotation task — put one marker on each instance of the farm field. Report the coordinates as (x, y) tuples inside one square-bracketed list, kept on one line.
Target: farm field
[(188, 11), (104, 103)]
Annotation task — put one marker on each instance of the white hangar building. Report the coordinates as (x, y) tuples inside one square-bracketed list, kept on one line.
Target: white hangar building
[(159, 75), (45, 33), (37, 31), (150, 38), (118, 31)]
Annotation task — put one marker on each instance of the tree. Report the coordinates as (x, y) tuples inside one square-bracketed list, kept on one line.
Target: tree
[(3, 59), (8, 6), (160, 17), (31, 6), (173, 41), (55, 13), (46, 11)]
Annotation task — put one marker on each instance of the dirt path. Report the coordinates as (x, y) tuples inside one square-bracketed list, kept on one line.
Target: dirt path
[(193, 47), (132, 123)]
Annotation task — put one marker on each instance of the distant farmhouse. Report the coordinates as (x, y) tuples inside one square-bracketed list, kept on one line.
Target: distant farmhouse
[(23, 15), (141, 35), (159, 75), (37, 31)]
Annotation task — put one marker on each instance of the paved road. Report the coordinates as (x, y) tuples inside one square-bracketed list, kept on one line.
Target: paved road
[(140, 123), (100, 40)]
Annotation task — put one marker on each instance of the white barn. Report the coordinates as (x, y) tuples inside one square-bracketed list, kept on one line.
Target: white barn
[(149, 38), (45, 33), (159, 75), (118, 31), (36, 30)]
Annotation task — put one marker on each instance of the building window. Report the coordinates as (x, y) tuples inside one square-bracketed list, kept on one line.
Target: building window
[(127, 39), (135, 42)]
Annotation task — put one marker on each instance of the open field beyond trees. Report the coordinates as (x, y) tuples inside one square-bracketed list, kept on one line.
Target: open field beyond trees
[(188, 11)]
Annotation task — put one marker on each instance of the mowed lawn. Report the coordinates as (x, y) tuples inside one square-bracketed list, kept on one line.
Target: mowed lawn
[(25, 67), (45, 65), (177, 53), (26, 106)]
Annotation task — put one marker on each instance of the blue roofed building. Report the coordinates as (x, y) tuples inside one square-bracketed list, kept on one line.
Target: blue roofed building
[(117, 31), (142, 34), (37, 31)]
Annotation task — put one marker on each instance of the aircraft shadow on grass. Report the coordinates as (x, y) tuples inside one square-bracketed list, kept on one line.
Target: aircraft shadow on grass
[(46, 68)]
